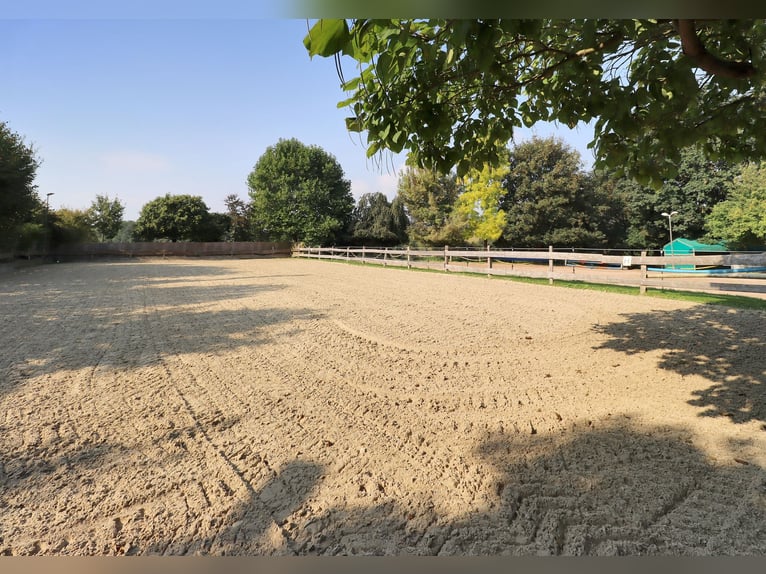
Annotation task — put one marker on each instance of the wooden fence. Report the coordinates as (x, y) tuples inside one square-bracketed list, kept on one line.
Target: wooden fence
[(629, 270), (179, 249)]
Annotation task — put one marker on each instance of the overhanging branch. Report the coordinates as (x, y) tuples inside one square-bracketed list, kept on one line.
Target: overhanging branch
[(694, 49)]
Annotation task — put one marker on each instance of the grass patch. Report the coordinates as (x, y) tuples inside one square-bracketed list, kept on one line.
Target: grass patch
[(738, 301), (622, 289)]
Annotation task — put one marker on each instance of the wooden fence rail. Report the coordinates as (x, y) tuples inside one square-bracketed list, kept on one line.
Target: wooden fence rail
[(629, 270)]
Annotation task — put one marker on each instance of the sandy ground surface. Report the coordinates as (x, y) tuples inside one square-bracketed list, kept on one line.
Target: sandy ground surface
[(268, 407)]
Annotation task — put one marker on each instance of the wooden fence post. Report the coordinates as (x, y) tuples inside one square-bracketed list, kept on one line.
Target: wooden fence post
[(363, 255), (489, 261), (446, 254), (409, 265), (642, 283), (385, 257), (348, 253), (550, 265)]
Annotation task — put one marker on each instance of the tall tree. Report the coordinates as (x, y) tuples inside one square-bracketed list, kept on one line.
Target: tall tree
[(239, 226), (547, 200), (445, 89), (215, 227), (374, 222), (105, 216), (740, 220), (429, 197), (299, 193), (607, 196), (478, 206), (173, 217), (401, 221), (19, 202)]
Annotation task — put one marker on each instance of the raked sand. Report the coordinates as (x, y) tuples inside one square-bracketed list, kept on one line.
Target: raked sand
[(269, 407)]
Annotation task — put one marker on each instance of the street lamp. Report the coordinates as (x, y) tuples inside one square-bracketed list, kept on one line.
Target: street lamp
[(670, 226)]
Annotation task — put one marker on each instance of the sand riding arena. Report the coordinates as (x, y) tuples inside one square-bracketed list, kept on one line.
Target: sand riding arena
[(282, 406)]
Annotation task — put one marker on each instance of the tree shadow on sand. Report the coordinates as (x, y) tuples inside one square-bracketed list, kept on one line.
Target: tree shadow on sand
[(159, 498), (725, 346), (614, 491), (143, 313)]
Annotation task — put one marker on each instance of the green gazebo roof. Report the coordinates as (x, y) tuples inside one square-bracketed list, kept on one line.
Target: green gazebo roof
[(682, 245)]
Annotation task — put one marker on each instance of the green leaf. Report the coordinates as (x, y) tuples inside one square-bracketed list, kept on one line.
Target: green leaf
[(384, 67), (346, 103), (354, 125), (327, 37), (449, 58), (351, 85), (373, 149)]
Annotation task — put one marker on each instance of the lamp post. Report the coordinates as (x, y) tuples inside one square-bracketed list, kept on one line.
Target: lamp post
[(45, 225), (670, 227)]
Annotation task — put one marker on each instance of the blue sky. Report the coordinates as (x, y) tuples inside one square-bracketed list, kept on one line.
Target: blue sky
[(136, 107)]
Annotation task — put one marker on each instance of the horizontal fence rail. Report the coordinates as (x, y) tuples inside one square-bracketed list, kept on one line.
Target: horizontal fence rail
[(746, 272)]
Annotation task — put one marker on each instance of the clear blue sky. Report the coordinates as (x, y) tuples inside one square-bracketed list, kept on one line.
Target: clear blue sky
[(138, 107)]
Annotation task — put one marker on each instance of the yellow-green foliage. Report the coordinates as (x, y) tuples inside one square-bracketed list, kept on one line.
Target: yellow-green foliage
[(70, 226), (479, 204)]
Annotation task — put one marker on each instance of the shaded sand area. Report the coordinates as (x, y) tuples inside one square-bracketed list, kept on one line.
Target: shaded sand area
[(268, 407)]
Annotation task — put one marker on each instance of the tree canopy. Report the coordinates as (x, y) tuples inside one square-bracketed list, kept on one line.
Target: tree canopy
[(105, 216), (18, 195), (238, 225), (699, 185), (449, 90), (740, 220), (547, 200), (299, 193), (70, 226), (125, 233), (478, 206), (376, 221), (428, 197), (175, 218)]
